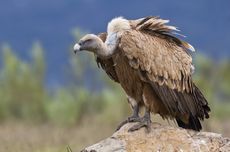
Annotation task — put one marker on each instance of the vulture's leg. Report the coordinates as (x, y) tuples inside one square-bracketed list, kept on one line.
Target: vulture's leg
[(145, 121), (134, 118)]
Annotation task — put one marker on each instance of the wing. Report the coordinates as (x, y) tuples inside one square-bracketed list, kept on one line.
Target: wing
[(157, 26), (107, 64), (163, 61), (166, 66)]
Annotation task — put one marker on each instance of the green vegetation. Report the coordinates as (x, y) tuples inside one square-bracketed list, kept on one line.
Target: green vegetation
[(213, 78), (25, 98)]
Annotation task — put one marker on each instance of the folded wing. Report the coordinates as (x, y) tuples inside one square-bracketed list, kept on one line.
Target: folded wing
[(164, 62)]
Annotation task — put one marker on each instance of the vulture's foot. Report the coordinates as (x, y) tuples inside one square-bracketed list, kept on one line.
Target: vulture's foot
[(130, 119), (143, 122), (134, 118)]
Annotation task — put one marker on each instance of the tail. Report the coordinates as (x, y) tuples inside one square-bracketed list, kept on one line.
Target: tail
[(202, 112), (193, 123), (202, 102), (191, 107)]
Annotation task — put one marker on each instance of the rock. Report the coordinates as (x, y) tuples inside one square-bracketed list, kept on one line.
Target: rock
[(161, 138)]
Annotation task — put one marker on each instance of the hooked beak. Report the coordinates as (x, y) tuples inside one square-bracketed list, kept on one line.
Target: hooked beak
[(76, 48)]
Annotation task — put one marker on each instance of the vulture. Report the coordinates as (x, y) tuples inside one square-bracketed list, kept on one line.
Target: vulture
[(153, 66)]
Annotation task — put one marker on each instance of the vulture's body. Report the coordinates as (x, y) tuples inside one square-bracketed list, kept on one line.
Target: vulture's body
[(153, 67)]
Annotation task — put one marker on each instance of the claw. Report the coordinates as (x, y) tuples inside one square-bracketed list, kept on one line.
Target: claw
[(134, 118), (122, 124), (130, 119), (143, 122)]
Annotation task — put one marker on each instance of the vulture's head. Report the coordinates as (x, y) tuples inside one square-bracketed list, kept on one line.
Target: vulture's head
[(89, 42)]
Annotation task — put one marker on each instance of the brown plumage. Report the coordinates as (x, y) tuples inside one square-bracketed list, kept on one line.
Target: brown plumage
[(153, 67)]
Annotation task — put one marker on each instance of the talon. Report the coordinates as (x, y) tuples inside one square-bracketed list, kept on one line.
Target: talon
[(129, 119), (143, 122), (134, 118), (121, 124)]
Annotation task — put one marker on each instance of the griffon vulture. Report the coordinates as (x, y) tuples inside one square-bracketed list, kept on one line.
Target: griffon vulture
[(153, 67)]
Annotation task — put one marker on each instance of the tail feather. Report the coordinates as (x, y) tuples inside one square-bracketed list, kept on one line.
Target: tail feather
[(202, 111), (203, 104), (192, 104), (193, 123)]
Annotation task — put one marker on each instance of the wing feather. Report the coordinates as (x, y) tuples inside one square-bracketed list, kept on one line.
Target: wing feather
[(164, 61), (157, 26)]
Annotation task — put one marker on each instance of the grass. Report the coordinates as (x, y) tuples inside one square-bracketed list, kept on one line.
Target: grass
[(69, 149), (49, 138), (18, 137)]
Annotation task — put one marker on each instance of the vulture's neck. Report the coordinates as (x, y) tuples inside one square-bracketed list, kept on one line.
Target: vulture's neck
[(115, 28), (108, 48)]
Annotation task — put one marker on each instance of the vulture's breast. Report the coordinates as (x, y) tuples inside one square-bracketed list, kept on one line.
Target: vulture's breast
[(128, 77)]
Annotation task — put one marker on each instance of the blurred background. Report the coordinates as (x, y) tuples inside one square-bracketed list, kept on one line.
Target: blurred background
[(51, 98)]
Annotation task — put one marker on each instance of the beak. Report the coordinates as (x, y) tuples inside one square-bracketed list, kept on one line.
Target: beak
[(76, 48)]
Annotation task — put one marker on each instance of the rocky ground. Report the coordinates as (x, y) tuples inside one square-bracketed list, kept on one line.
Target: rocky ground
[(161, 138)]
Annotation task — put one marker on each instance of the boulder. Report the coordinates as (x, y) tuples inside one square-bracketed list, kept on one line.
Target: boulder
[(161, 138)]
